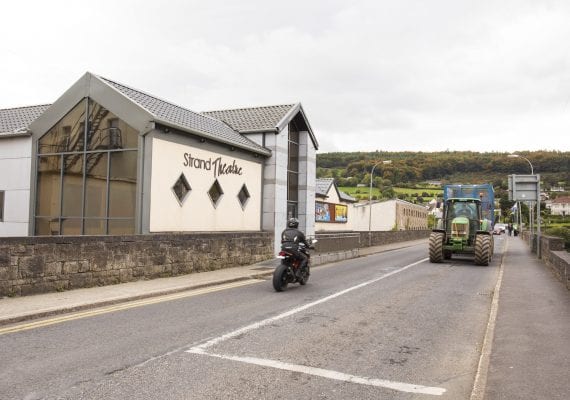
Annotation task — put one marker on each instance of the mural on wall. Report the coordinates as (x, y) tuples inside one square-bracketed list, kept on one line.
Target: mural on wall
[(328, 212), (340, 213), (322, 213)]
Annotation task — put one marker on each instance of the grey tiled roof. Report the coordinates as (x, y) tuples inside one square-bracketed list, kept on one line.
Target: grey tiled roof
[(252, 119), (322, 186), (16, 120), (202, 125), (346, 197)]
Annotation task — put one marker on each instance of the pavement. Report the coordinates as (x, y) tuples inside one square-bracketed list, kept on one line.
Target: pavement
[(19, 309), (528, 358)]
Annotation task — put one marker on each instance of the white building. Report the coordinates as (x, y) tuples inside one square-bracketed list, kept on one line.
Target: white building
[(560, 206), (388, 215), (108, 159), (337, 211), (15, 164)]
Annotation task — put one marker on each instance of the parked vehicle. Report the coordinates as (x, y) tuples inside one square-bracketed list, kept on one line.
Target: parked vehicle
[(499, 229), (290, 271)]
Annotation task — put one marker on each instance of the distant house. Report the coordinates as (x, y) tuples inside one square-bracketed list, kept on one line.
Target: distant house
[(560, 206), (331, 206), (337, 211)]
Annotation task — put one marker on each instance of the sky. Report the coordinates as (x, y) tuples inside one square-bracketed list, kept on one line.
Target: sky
[(371, 74)]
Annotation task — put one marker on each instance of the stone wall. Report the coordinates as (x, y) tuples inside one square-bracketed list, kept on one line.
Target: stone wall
[(387, 237), (553, 254), (340, 241), (30, 265)]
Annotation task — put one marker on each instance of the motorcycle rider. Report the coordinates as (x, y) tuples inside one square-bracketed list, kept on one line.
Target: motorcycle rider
[(293, 236)]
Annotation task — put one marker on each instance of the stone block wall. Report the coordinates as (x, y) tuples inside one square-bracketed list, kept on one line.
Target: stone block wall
[(30, 265), (553, 255), (386, 237)]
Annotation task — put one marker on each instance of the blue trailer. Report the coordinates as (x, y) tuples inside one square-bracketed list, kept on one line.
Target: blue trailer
[(483, 192)]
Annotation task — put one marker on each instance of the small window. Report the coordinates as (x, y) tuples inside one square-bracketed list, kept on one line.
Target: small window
[(1, 205), (181, 189), (243, 196), (215, 193)]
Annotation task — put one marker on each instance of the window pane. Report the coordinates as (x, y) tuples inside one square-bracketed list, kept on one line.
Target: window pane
[(107, 131), (96, 185), (293, 133), (291, 210), (67, 134), (49, 186), (123, 184), (47, 226), (72, 185), (292, 186), (71, 226), (94, 226), (293, 164), (122, 227)]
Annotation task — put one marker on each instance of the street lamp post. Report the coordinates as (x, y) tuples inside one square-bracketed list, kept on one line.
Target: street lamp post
[(370, 200)]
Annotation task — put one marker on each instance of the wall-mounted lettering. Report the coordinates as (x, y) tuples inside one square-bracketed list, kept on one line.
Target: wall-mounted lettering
[(218, 166)]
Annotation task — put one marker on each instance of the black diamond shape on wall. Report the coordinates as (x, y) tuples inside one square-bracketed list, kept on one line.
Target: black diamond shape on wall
[(215, 192), (243, 195), (181, 188)]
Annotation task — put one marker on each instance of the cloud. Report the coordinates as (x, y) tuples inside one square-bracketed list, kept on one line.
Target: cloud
[(410, 75)]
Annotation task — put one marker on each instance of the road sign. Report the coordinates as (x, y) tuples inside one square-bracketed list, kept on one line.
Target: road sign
[(524, 187)]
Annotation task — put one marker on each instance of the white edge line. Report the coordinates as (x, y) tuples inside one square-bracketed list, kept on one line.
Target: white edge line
[(257, 325), (480, 381), (324, 373)]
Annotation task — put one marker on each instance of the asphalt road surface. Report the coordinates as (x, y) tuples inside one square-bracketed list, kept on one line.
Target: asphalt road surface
[(385, 326)]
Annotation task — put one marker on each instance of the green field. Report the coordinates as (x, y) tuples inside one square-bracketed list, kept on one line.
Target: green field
[(363, 191)]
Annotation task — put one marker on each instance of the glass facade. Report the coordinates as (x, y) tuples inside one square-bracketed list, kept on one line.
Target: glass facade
[(293, 171), (87, 174)]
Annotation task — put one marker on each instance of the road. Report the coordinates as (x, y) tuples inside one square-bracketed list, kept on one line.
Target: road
[(389, 325)]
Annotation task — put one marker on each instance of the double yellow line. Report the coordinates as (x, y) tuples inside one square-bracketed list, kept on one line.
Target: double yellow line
[(123, 306)]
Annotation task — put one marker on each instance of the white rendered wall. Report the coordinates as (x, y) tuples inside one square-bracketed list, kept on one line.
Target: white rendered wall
[(383, 216), (197, 212), (15, 169)]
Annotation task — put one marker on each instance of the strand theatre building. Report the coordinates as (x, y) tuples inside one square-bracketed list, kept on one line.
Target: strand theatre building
[(107, 159)]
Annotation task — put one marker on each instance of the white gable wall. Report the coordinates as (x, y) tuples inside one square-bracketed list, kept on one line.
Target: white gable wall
[(15, 167)]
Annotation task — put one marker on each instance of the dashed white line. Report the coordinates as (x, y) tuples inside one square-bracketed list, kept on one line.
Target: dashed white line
[(399, 386), (296, 310)]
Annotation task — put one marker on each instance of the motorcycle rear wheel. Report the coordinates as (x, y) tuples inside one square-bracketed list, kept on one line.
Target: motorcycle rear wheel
[(280, 278)]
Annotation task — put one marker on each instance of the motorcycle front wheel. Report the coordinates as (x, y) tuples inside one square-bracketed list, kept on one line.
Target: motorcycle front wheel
[(280, 279)]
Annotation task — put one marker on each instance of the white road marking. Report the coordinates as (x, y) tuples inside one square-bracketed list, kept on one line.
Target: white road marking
[(296, 310), (399, 386), (123, 306), (480, 382), (325, 373)]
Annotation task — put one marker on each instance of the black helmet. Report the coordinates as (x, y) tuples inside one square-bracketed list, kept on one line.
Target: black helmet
[(293, 223)]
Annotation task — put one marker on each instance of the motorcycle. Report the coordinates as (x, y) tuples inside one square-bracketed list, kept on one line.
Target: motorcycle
[(290, 271)]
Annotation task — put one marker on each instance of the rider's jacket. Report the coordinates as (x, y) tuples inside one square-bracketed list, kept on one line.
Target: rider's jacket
[(292, 235)]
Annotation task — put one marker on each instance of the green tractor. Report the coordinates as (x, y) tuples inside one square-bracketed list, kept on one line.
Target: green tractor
[(462, 230)]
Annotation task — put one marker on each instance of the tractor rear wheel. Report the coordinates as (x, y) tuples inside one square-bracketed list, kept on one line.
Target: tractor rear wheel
[(483, 251), (436, 247)]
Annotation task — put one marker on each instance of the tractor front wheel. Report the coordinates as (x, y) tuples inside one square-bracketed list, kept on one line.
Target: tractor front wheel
[(483, 251), (436, 247)]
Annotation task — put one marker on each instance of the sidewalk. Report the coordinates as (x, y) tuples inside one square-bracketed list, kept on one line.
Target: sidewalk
[(17, 309), (530, 357)]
